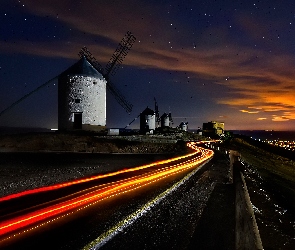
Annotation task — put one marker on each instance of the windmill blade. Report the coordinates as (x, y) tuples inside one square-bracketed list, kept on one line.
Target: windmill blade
[(120, 53), (27, 95), (87, 54), (158, 119), (132, 121), (119, 97), (170, 118)]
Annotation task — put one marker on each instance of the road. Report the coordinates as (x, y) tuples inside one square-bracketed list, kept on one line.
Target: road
[(72, 214)]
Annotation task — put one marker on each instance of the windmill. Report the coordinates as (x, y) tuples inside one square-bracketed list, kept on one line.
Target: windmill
[(81, 85), (113, 66)]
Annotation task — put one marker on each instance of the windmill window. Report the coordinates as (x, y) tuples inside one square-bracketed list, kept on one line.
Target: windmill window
[(77, 100), (94, 82)]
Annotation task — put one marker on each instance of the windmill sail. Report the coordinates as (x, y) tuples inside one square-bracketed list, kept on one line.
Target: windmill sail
[(119, 97), (27, 95), (120, 53), (112, 67)]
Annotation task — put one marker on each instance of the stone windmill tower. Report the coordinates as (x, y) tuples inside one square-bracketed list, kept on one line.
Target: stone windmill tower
[(81, 97), (82, 90)]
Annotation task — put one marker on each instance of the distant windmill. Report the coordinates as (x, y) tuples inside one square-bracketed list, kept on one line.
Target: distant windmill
[(112, 67)]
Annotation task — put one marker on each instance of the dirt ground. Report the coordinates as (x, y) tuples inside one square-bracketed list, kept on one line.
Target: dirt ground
[(62, 142)]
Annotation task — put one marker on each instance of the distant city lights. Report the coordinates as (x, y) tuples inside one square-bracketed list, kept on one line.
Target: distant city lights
[(289, 145), (286, 144)]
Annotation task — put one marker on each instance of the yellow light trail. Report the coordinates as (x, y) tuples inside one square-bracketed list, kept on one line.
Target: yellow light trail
[(70, 183)]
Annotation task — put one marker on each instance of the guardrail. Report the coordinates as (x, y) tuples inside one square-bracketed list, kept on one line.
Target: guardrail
[(246, 230)]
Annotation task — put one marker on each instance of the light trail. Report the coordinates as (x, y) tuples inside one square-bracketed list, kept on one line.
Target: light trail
[(84, 180), (131, 218), (105, 191)]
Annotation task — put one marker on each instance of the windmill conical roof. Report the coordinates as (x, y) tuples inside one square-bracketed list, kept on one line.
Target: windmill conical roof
[(82, 67), (148, 111), (164, 115)]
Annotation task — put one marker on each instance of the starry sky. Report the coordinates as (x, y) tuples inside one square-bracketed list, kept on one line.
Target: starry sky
[(214, 60)]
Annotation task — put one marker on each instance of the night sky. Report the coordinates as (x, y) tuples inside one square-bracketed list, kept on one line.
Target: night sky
[(222, 60)]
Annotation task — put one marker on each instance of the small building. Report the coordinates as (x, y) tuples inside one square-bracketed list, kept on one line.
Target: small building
[(199, 131), (81, 98), (213, 128), (183, 126), (147, 121), (165, 120), (113, 131)]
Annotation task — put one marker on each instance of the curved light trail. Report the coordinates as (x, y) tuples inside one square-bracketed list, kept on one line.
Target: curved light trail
[(70, 183), (102, 192)]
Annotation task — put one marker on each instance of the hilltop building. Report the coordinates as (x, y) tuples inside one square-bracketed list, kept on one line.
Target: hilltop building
[(81, 98), (147, 121), (183, 126), (213, 128), (166, 120)]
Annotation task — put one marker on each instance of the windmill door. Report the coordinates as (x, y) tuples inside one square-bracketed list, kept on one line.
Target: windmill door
[(77, 120)]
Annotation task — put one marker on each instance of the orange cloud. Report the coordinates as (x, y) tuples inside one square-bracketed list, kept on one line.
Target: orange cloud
[(279, 119), (249, 112)]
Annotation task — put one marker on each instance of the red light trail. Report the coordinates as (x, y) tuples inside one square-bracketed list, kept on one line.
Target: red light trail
[(102, 192), (70, 183)]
